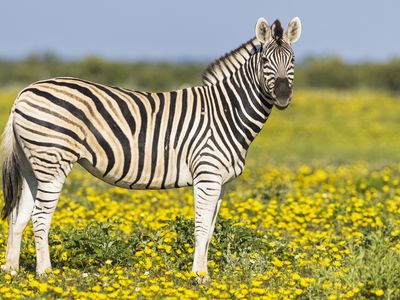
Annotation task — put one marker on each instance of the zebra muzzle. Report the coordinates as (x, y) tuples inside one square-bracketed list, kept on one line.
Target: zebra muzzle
[(283, 92)]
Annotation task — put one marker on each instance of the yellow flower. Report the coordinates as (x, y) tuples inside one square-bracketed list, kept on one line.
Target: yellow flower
[(256, 283), (276, 262), (148, 264), (154, 288), (296, 276), (7, 276), (64, 256), (42, 287), (58, 290), (304, 282), (96, 288)]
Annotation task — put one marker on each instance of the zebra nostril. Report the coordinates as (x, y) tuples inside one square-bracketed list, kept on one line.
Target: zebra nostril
[(282, 88)]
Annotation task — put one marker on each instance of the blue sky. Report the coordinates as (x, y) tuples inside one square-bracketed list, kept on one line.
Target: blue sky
[(356, 30)]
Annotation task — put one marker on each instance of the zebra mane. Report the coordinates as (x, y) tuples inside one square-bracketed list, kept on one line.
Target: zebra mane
[(228, 64)]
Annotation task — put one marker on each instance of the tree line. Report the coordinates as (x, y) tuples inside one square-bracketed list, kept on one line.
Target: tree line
[(157, 76)]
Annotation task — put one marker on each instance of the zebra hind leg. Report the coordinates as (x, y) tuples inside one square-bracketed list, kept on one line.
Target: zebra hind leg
[(45, 204), (18, 220), (50, 174)]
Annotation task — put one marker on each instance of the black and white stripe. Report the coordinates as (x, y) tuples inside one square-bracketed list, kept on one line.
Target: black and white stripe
[(139, 140)]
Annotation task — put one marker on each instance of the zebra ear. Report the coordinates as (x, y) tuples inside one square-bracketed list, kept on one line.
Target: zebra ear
[(292, 34), (263, 31)]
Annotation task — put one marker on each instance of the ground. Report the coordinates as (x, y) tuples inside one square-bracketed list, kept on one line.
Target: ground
[(316, 214)]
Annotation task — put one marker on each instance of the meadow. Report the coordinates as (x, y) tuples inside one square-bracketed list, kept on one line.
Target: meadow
[(315, 215)]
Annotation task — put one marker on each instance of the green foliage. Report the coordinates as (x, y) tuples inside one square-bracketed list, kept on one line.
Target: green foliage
[(331, 72), (144, 76), (91, 246), (375, 264), (229, 238)]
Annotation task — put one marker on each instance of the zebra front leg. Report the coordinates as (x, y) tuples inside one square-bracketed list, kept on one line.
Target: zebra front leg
[(208, 195), (45, 205), (18, 219)]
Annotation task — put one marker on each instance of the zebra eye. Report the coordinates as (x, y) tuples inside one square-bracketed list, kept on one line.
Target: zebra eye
[(292, 60)]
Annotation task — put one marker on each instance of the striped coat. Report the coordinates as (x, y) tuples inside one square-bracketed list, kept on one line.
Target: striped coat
[(139, 140)]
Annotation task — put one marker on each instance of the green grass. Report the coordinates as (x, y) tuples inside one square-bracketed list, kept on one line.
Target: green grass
[(322, 127)]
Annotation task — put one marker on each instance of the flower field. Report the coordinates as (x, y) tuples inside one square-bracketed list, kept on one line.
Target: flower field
[(316, 215)]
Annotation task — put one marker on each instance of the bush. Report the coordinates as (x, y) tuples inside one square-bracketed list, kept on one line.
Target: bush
[(329, 72)]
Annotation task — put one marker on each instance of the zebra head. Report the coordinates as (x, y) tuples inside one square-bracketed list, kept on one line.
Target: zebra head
[(277, 59)]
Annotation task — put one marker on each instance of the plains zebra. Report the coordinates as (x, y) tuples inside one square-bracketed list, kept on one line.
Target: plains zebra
[(139, 140)]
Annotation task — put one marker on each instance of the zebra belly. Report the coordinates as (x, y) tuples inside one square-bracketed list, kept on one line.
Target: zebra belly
[(158, 181)]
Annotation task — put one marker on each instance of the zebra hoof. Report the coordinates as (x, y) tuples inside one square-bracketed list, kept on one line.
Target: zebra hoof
[(9, 269), (43, 272), (203, 279)]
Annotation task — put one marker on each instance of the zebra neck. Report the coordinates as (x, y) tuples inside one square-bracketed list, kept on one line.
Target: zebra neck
[(241, 101)]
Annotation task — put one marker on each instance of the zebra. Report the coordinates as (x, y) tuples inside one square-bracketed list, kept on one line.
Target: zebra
[(196, 136)]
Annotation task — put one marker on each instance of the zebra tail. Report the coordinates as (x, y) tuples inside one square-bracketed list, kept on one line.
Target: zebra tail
[(12, 178)]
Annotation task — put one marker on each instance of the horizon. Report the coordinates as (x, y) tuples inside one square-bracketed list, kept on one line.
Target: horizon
[(48, 56)]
